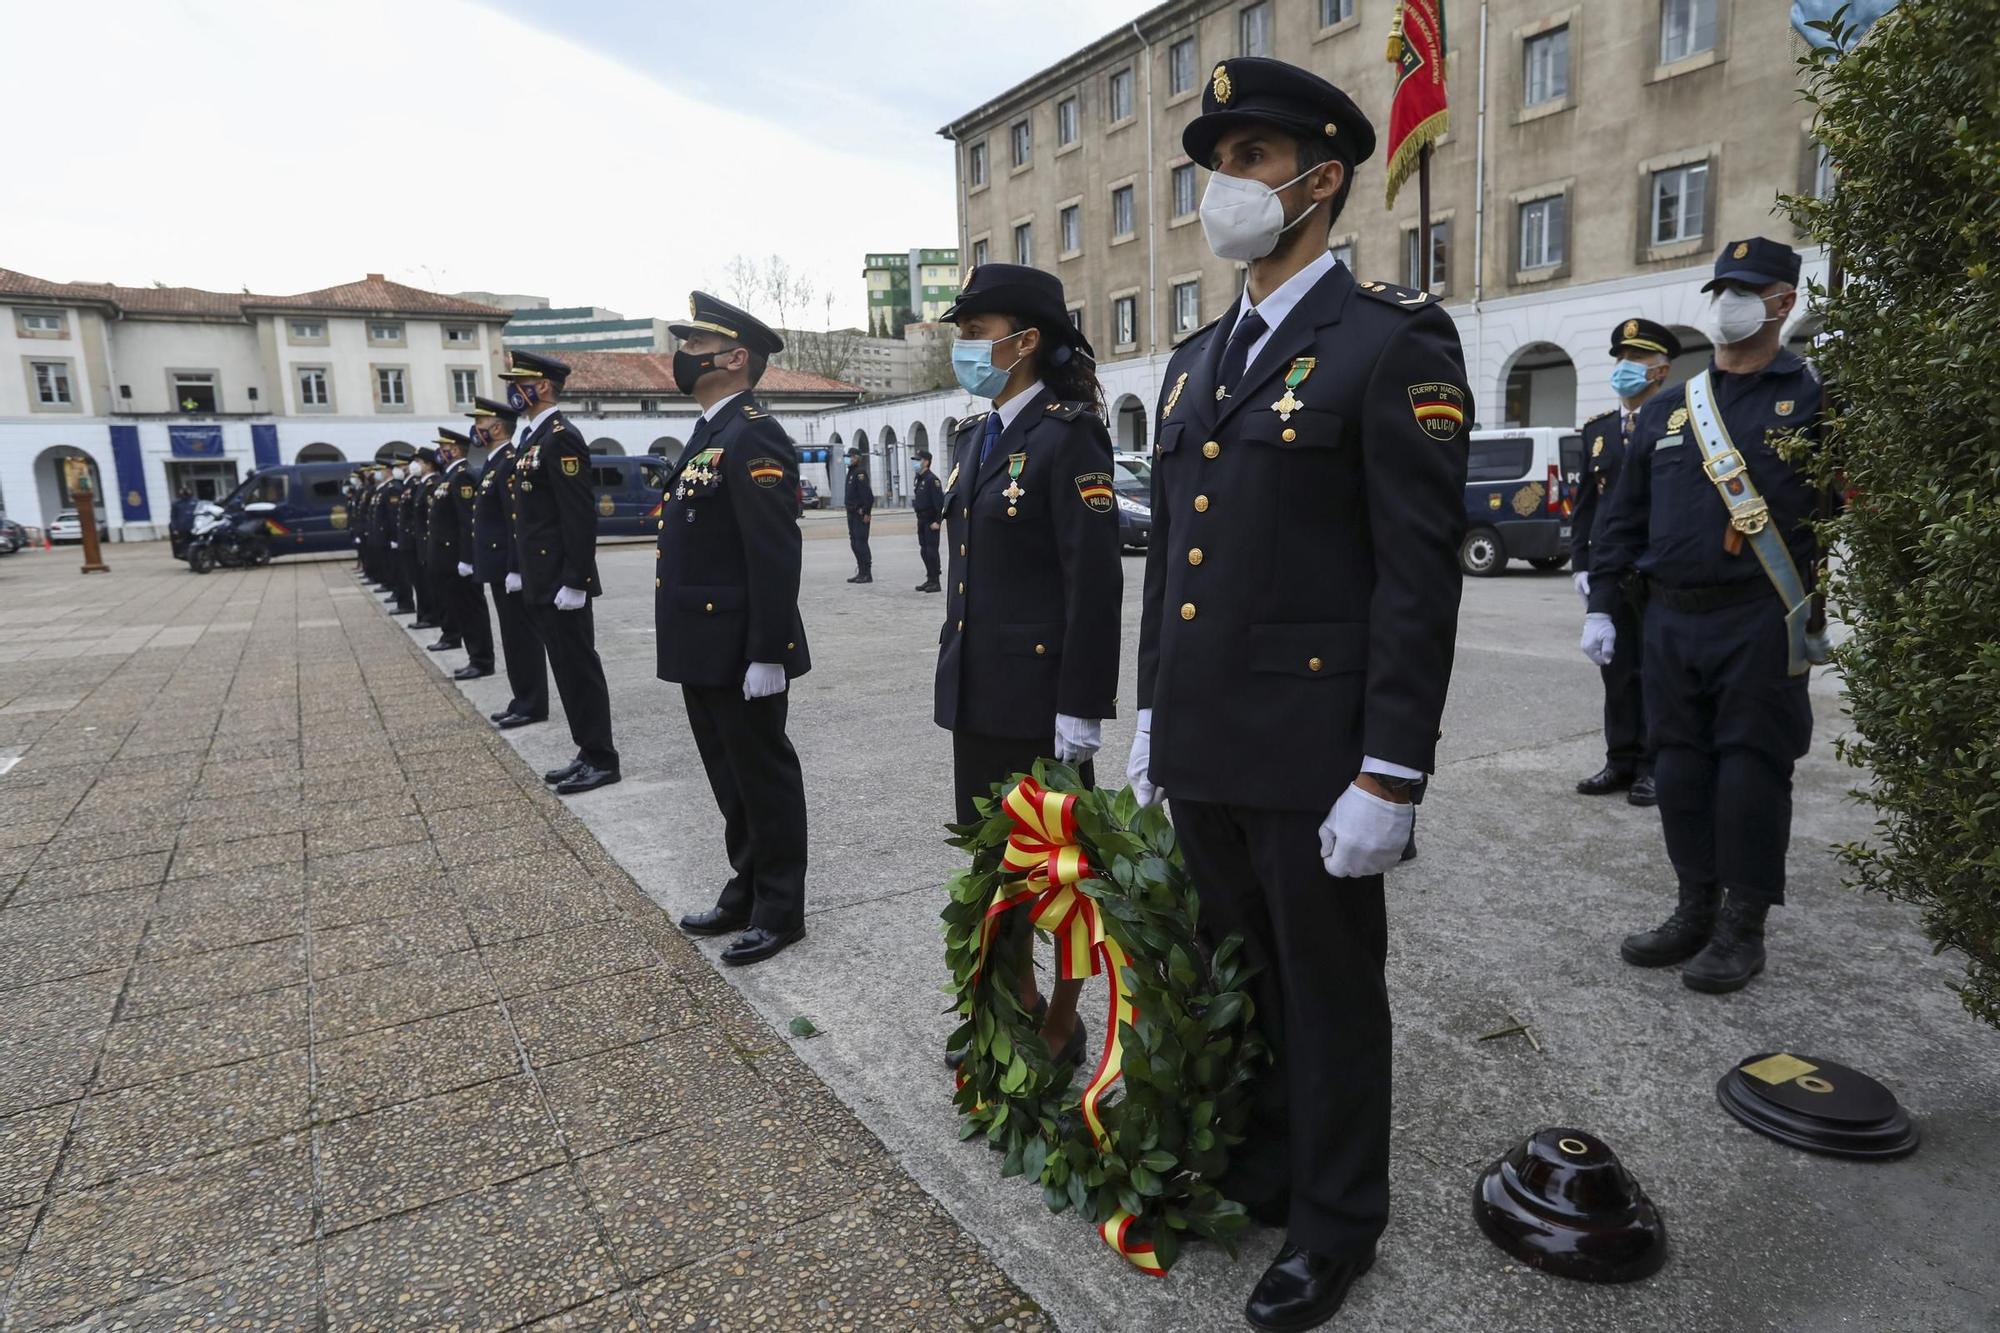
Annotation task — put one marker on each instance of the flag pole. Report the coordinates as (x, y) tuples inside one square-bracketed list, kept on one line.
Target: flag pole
[(1423, 283)]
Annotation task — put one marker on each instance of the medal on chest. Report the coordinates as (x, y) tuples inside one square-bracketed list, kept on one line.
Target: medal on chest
[(699, 476), (1174, 396), (1294, 377), (1014, 491)]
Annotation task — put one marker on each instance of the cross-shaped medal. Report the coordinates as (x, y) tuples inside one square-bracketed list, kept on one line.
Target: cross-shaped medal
[(1287, 405), (1013, 491)]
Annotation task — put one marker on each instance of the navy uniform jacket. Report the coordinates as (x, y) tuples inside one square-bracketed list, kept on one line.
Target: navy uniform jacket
[(492, 530), (1302, 583), (1665, 519), (928, 499), (859, 496), (385, 513), (729, 549), (444, 531), (555, 515), (1604, 450), (1032, 614)]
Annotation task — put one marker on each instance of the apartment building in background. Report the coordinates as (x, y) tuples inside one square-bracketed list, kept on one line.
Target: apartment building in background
[(905, 287)]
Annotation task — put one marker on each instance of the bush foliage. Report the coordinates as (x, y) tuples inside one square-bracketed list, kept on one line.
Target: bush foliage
[(1911, 117)]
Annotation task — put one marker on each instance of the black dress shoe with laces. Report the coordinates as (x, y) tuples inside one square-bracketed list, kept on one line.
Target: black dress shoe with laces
[(1643, 792), (421, 623), (445, 646), (1302, 1290), (714, 921), (563, 774), (471, 673), (756, 944), (587, 777), (1605, 781), (509, 721)]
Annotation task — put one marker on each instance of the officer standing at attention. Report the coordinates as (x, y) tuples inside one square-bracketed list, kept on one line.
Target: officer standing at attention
[(555, 528), (1028, 660), (860, 508), (928, 500), (1642, 352), (457, 490), (1719, 526), (493, 425), (1301, 602), (726, 612), (401, 558), (421, 500)]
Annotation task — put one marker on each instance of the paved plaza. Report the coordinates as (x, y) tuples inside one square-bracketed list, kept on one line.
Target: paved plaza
[(315, 1006)]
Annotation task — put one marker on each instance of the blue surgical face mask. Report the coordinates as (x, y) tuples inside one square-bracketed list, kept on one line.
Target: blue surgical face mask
[(972, 362), (1629, 379)]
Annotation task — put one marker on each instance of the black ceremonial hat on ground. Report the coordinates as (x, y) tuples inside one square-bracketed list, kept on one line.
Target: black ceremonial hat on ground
[(1026, 293), (487, 407), (536, 366), (1643, 335), (1561, 1201), (706, 314), (1253, 89)]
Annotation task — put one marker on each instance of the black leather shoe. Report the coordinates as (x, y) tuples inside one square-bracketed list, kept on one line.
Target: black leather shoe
[(471, 673), (421, 623), (862, 578), (403, 611), (1642, 792), (565, 773), (495, 717), (509, 721), (929, 585), (1605, 781), (445, 646), (586, 778), (756, 944), (1736, 951), (714, 921), (1681, 936), (1302, 1290)]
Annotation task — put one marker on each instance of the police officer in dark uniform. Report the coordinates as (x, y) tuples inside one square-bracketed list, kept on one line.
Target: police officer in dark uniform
[(726, 611), (928, 500), (860, 501), (1643, 352), (1718, 526), (420, 501), (460, 589), (493, 425), (389, 544), (1028, 659), (555, 527), (1301, 603)]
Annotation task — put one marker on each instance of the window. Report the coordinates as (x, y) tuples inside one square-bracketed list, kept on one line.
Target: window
[(1121, 95), (1440, 257), (389, 387), (1024, 143), (461, 335), (1680, 195), (1545, 73), (42, 323), (1687, 28), (326, 488), (52, 384), (1499, 460), (975, 163), (1075, 313), (1024, 243), (1184, 200), (1121, 211), (194, 390), (1343, 254), (1187, 306), (308, 330), (1125, 321), (1822, 180), (1071, 220), (464, 387), (1543, 224), (1065, 124), (312, 387), (1335, 11), (384, 333), (979, 252), (1180, 65), (1254, 25)]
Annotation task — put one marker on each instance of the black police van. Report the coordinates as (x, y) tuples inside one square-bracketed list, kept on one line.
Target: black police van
[(1520, 488), (629, 492), (308, 507)]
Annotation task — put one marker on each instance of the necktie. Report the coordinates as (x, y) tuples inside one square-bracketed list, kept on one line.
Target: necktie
[(1248, 330), (992, 436)]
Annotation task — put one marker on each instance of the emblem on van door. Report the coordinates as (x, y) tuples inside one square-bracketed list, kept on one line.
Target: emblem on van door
[(1528, 499), (604, 504), (1493, 500)]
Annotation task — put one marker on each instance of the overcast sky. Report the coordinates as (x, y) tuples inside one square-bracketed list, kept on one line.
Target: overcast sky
[(282, 146)]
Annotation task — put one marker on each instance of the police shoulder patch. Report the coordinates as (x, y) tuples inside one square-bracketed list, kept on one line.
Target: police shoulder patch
[(571, 465), (1095, 490), (766, 471), (1389, 293), (1439, 407), (465, 490)]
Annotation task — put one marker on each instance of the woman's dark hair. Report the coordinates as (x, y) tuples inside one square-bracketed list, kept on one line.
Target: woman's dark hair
[(1067, 369)]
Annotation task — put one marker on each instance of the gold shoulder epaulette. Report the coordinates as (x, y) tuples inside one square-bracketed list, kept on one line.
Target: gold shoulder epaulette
[(1390, 294)]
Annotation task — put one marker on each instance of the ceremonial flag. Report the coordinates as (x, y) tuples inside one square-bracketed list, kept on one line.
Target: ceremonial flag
[(1418, 114)]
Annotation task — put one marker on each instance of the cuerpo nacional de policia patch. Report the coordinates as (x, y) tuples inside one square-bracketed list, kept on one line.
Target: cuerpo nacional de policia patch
[(1095, 488), (1439, 408), (766, 471)]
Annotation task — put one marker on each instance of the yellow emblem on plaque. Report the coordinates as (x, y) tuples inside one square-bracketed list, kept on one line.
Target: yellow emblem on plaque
[(1742, 249), (1222, 85), (1677, 420), (1631, 328)]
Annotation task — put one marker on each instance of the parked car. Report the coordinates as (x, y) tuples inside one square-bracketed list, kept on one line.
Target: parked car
[(1520, 487), (1141, 465), (810, 496), (69, 528), (1134, 498), (12, 536)]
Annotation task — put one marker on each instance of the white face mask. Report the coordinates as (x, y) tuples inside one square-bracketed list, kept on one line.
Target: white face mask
[(1243, 219), (1738, 316)]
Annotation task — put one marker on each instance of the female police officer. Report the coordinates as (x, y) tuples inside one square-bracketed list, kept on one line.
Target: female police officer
[(1028, 658)]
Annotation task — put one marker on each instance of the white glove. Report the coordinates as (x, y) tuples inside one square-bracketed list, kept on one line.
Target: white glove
[(1364, 834), (464, 570), (1077, 738), (1600, 638), (392, 546), (513, 583), (1582, 581), (570, 599), (1138, 767), (763, 678)]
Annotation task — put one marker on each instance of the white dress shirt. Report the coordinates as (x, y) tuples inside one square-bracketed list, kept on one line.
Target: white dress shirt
[(1278, 304)]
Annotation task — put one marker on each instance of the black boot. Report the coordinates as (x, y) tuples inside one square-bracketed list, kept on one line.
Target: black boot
[(1736, 954), (1681, 936), (1605, 781), (1643, 791)]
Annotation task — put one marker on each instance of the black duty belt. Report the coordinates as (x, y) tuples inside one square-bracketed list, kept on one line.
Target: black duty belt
[(1714, 597)]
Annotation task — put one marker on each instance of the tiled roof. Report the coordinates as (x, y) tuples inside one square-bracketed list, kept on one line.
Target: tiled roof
[(374, 294), (653, 373)]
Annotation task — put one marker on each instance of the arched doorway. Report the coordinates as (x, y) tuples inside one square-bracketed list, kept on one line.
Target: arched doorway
[(1539, 387), (395, 451), (667, 447), (52, 486), (920, 442), (320, 452), (894, 483), (1128, 428), (604, 444)]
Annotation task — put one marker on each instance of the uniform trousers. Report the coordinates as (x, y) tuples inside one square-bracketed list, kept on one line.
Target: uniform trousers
[(1626, 745), (527, 665), (754, 772), (1317, 1145), (571, 640), (927, 543), (443, 577), (410, 573), (475, 629), (1729, 722), (857, 541)]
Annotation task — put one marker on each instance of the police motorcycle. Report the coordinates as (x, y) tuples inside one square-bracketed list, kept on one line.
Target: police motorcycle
[(230, 538)]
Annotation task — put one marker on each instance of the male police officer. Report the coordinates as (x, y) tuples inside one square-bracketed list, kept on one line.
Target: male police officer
[(726, 611), (1642, 352), (456, 572), (1719, 525), (493, 425), (555, 525), (860, 500), (928, 501), (1295, 645)]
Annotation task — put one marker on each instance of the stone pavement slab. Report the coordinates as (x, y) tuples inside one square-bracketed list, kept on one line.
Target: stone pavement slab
[(318, 1011)]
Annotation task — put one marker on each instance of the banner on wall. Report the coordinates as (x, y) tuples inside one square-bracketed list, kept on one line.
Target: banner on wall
[(195, 441), (264, 444), (131, 469)]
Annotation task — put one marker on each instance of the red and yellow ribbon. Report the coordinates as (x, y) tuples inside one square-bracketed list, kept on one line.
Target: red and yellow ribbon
[(1043, 853)]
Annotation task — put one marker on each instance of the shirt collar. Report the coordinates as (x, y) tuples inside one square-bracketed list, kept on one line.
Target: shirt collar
[(535, 421), (1018, 404), (1290, 292), (719, 404)]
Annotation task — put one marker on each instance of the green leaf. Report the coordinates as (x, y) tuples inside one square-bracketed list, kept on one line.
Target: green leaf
[(1225, 1011), (1035, 1157), (1145, 1180), (1158, 1161), (802, 1026)]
